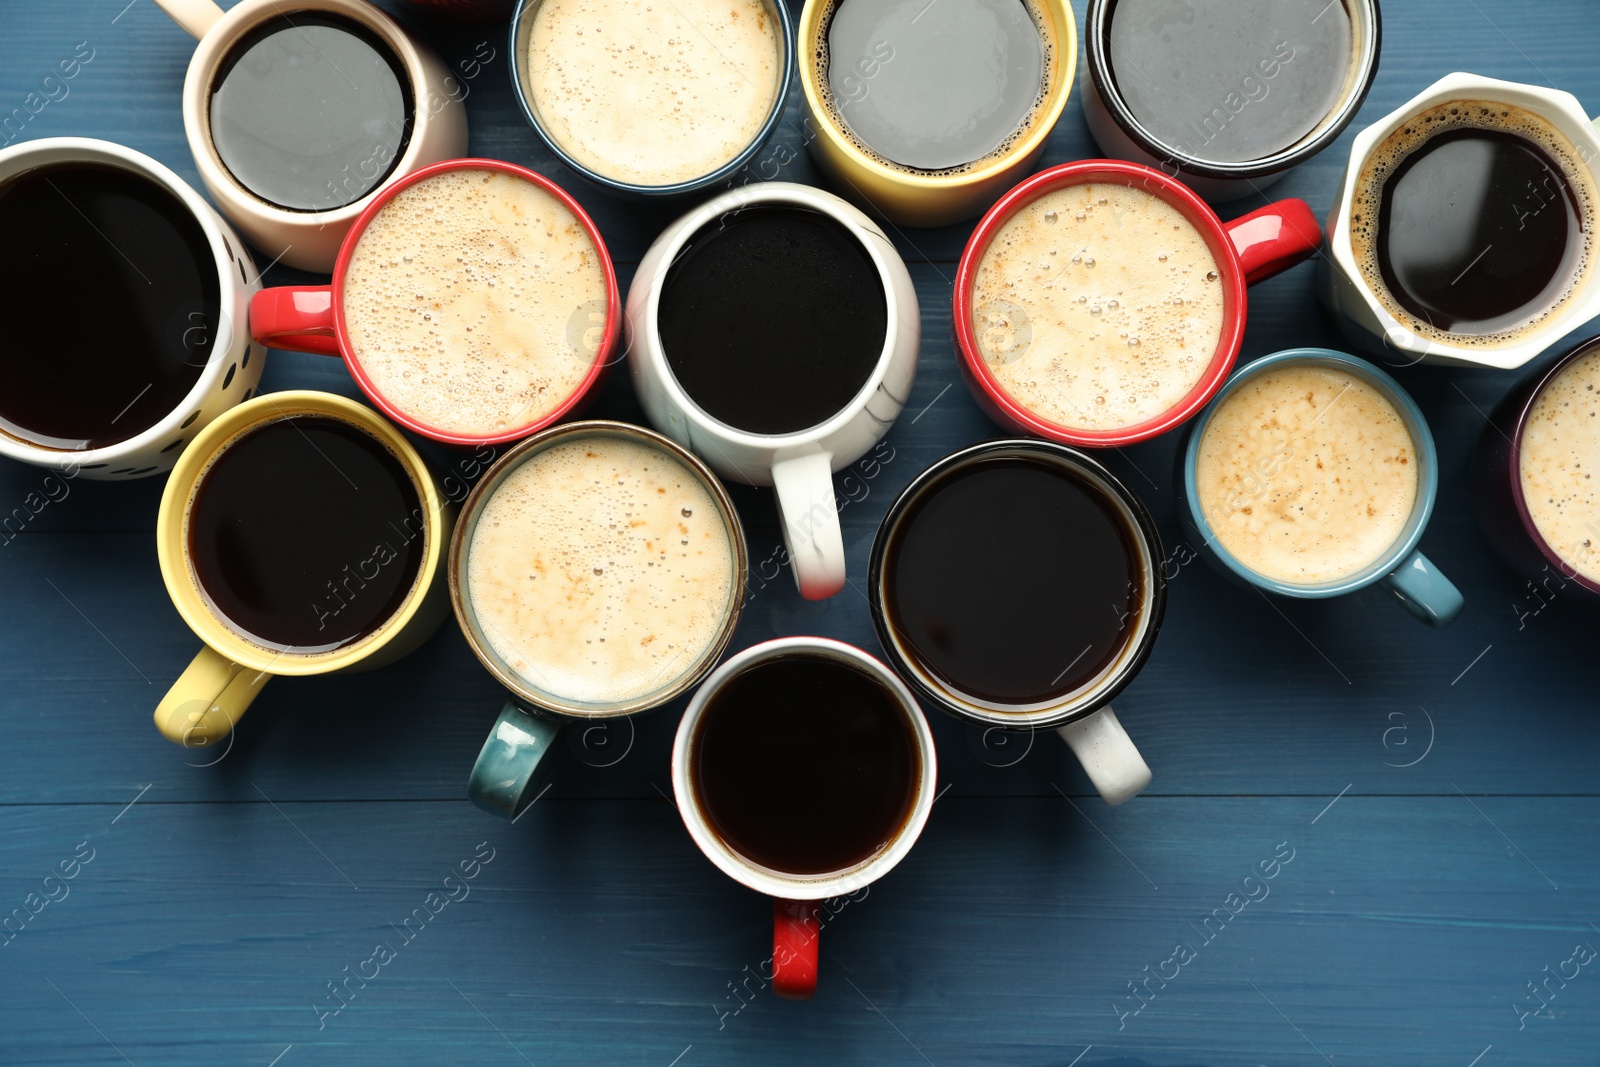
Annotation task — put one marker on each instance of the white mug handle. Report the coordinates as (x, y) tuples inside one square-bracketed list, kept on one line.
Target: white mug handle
[(1108, 755), (810, 518), (195, 16)]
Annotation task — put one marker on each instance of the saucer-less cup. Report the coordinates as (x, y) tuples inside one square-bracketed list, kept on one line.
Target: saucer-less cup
[(1084, 719), (208, 699), (1257, 246), (309, 239), (1347, 295), (929, 198), (310, 318), (798, 465), (1120, 134), (1501, 501), (234, 368), (1403, 570), (513, 762), (796, 897)]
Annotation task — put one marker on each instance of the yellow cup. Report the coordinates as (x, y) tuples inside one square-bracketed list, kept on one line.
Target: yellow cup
[(920, 197), (208, 699)]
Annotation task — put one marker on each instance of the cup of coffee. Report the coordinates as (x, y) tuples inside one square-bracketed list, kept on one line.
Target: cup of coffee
[(126, 297), (928, 112), (1532, 484), (1017, 585), (1101, 303), (773, 330), (652, 100), (1463, 230), (803, 769), (298, 112), (597, 570), (299, 534), (473, 301), (1227, 95), (1313, 475)]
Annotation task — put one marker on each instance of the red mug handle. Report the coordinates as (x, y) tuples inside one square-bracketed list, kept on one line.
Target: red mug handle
[(1274, 238), (794, 948), (296, 317)]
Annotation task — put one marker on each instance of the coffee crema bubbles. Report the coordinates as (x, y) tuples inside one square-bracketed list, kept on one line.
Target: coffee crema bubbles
[(1561, 435)]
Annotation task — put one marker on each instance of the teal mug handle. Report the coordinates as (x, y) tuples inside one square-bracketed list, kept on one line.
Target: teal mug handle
[(1424, 591), (513, 763)]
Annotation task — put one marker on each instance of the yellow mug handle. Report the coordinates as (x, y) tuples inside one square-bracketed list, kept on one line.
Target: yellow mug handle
[(207, 700)]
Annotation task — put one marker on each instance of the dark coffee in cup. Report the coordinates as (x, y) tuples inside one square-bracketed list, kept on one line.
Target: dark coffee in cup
[(1473, 222), (805, 765), (1014, 581), (115, 305), (773, 318), (310, 113), (306, 534)]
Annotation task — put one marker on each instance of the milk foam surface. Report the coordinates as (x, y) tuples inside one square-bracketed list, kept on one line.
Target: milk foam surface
[(1306, 474), (1560, 455), (653, 92), (1098, 306), (601, 570), (473, 302)]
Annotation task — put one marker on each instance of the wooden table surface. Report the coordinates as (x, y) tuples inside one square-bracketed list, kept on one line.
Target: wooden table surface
[(1426, 799)]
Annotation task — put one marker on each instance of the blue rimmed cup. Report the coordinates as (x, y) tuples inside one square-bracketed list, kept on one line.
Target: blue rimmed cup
[(1401, 569), (521, 34)]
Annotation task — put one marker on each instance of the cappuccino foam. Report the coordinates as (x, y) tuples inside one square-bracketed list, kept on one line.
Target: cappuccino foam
[(601, 570), (1560, 454), (1098, 306), (653, 92), (1306, 474), (472, 302)]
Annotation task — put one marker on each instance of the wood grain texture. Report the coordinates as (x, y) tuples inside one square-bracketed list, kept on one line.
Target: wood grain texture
[(1458, 862)]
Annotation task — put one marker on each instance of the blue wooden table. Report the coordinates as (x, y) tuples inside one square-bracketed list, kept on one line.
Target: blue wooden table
[(1425, 800)]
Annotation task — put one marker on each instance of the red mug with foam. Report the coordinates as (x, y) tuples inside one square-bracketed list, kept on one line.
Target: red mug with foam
[(562, 352), (1000, 342)]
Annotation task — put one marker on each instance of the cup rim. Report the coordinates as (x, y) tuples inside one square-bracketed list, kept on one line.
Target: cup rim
[(15, 161), (352, 238), (1530, 393), (756, 195), (1332, 125), (1173, 192), (776, 883), (467, 522), (1134, 656), (218, 43), (786, 39), (172, 549), (998, 167), (1395, 335), (1421, 439)]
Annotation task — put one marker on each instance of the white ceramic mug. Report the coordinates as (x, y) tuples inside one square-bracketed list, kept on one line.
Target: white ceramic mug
[(309, 239), (799, 466), (1350, 299), (234, 367)]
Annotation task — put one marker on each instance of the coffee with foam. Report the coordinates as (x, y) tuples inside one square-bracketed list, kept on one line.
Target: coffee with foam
[(472, 301), (1559, 455), (601, 570), (1307, 474), (653, 92), (1098, 306)]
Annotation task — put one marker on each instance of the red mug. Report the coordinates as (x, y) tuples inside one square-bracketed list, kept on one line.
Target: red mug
[(311, 318), (1246, 250)]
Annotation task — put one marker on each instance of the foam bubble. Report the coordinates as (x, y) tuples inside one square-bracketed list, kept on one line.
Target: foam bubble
[(601, 570), (653, 92), (1306, 474), (460, 296), (1367, 202), (1560, 455), (1120, 298)]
